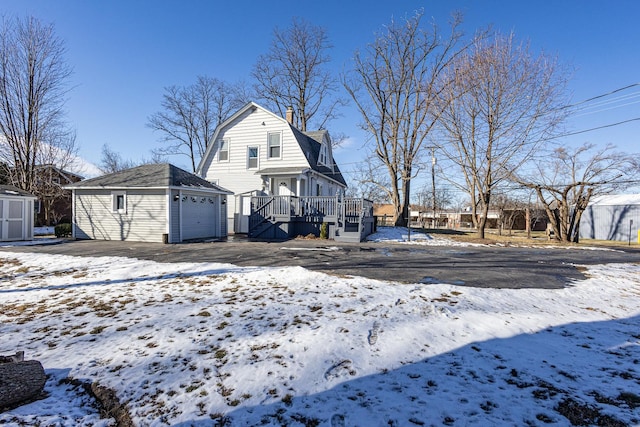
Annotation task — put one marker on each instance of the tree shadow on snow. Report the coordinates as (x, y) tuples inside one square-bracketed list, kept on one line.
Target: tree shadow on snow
[(574, 374)]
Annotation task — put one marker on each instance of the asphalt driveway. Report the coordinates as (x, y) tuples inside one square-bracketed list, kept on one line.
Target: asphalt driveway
[(485, 266)]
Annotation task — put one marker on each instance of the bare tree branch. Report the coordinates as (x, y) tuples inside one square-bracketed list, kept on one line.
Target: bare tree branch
[(191, 114), (394, 84), (500, 104), (567, 181), (294, 73), (33, 87)]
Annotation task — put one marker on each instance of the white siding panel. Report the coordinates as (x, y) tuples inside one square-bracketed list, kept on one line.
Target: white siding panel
[(248, 131), (144, 220)]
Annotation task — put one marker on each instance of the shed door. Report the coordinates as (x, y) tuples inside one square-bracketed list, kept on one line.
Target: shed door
[(11, 219), (198, 217)]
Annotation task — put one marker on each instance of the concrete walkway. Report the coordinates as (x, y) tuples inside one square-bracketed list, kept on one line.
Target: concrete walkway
[(495, 267)]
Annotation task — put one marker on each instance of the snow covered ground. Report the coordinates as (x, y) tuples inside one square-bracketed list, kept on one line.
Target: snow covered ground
[(215, 344)]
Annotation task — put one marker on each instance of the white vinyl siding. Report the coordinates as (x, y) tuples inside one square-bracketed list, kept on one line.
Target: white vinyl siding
[(248, 131), (144, 220)]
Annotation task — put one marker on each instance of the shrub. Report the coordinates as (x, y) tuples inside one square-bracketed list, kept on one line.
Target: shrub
[(324, 231), (63, 230)]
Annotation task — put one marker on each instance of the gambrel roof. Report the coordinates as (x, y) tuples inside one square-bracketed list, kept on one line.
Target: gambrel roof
[(158, 175), (310, 143)]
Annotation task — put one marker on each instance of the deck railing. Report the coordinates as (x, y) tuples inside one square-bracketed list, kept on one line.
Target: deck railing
[(319, 208)]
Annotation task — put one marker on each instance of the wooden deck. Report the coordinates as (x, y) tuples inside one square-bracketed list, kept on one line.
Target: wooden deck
[(283, 217)]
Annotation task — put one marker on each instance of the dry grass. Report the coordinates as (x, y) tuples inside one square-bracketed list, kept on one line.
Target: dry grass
[(518, 237)]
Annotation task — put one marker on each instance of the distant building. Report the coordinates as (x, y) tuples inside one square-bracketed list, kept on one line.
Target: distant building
[(612, 217), (54, 201)]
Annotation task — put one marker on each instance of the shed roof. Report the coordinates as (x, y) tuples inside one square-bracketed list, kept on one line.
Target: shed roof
[(150, 176), (10, 190), (616, 200)]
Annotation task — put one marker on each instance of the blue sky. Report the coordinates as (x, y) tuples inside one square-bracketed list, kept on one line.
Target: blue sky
[(125, 52)]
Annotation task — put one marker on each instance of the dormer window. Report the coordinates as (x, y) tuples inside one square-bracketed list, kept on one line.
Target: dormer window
[(322, 158)]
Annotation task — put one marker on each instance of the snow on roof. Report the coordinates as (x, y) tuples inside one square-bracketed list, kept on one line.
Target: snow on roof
[(616, 200)]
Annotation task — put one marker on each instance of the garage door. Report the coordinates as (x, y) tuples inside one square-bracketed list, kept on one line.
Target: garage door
[(198, 217)]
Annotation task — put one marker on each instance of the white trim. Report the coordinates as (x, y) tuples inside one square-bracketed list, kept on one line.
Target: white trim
[(222, 141), (164, 187), (73, 213), (115, 195), (257, 167), (168, 214), (279, 156)]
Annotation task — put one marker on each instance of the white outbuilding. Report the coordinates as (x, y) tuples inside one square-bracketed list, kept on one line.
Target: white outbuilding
[(612, 217), (149, 203), (16, 214)]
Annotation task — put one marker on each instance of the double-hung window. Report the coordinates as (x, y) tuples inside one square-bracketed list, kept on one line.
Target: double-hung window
[(274, 145), (223, 152), (252, 157)]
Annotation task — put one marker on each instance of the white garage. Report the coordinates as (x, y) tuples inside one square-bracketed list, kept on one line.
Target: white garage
[(149, 203), (16, 214)]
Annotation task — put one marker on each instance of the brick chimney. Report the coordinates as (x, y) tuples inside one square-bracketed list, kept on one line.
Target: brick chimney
[(289, 115)]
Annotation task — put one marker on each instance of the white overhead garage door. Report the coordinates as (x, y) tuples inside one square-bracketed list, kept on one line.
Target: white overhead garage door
[(199, 216)]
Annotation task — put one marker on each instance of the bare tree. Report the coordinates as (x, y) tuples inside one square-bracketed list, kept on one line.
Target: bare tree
[(501, 104), (368, 181), (295, 73), (567, 181), (510, 209), (394, 84), (33, 87), (111, 161), (191, 114)]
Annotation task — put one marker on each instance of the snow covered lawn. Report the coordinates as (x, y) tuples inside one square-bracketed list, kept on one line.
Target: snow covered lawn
[(212, 344)]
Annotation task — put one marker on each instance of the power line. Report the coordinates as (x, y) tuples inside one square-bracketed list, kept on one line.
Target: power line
[(596, 128), (603, 95)]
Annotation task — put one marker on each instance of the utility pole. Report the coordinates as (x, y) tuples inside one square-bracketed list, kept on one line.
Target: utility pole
[(433, 183)]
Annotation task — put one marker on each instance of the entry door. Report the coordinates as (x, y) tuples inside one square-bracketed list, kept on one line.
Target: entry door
[(11, 219)]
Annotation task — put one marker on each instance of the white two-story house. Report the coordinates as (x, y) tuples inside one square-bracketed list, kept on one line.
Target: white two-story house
[(258, 153)]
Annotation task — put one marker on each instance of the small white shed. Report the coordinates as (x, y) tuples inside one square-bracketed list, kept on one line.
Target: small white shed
[(16, 214), (612, 217), (149, 203)]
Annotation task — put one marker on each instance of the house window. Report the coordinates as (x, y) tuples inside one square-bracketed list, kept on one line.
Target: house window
[(119, 202), (223, 153), (273, 145), (322, 158), (252, 157)]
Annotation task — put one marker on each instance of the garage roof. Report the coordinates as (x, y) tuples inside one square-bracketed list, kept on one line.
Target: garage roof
[(157, 175)]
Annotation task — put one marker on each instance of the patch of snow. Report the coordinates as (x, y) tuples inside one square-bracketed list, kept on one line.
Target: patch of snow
[(200, 343), (35, 242), (402, 235)]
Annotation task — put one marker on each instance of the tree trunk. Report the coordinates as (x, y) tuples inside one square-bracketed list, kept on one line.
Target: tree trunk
[(20, 382)]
